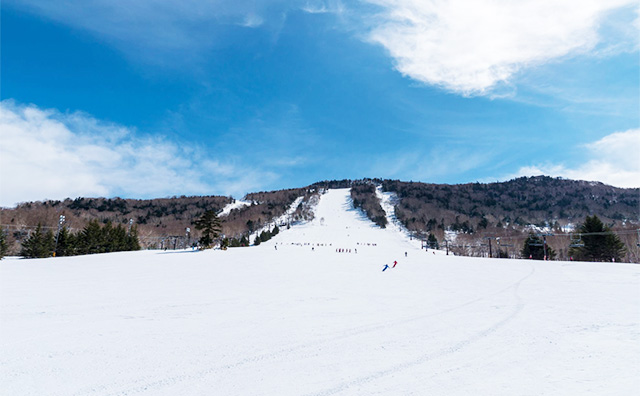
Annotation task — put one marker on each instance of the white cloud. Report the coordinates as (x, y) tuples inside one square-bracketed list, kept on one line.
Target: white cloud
[(158, 31), (613, 160), (323, 7), (45, 154), (473, 46)]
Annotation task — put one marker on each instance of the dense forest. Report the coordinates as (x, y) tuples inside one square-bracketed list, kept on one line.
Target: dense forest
[(472, 211), (160, 223)]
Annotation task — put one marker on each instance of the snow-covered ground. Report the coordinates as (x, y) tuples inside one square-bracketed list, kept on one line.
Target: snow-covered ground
[(303, 319), (236, 204)]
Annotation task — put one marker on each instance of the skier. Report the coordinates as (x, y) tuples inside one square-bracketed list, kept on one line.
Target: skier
[(405, 254), (394, 264), (385, 267)]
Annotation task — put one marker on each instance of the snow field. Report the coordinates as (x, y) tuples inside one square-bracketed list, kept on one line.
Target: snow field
[(297, 321)]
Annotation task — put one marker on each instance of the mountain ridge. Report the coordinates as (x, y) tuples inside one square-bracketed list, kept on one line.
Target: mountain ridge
[(470, 208)]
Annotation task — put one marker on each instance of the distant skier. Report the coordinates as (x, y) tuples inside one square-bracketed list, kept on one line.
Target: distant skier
[(405, 254), (385, 267), (394, 264)]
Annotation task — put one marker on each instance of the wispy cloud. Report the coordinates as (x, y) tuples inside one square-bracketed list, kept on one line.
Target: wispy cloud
[(474, 47), (46, 154), (612, 160), (157, 31), (323, 7)]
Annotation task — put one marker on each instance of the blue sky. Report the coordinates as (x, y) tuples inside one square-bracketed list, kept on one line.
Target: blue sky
[(158, 98)]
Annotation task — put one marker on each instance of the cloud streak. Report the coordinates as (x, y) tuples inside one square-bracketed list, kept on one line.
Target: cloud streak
[(473, 47), (46, 154)]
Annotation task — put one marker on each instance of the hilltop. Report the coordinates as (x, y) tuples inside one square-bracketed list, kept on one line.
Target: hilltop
[(513, 207)]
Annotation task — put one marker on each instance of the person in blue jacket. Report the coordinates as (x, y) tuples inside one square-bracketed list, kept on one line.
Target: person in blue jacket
[(385, 267)]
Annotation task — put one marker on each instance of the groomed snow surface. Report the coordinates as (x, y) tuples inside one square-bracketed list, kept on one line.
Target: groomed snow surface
[(306, 320)]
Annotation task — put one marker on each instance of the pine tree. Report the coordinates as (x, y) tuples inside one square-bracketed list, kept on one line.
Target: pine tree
[(3, 245), (132, 242), (211, 227), (90, 239), (66, 242), (39, 244), (600, 244), (432, 241), (534, 248)]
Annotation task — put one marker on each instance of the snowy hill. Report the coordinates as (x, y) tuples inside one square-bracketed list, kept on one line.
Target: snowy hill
[(294, 317)]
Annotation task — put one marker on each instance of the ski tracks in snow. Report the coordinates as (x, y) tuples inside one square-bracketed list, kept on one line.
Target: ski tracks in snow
[(448, 350), (310, 349)]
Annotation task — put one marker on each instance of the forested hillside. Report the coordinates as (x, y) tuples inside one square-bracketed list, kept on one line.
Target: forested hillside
[(161, 223), (476, 210), (541, 201)]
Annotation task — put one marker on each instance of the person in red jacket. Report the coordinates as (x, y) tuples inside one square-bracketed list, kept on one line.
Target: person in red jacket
[(394, 264)]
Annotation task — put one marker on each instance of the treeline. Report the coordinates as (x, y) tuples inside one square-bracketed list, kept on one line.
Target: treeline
[(267, 206), (92, 239), (542, 201), (156, 218), (364, 197)]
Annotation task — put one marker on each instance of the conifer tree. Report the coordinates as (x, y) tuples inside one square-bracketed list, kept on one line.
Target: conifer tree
[(211, 227), (132, 240), (66, 242), (600, 244), (90, 239), (3, 245), (432, 241), (39, 244), (534, 248), (244, 241)]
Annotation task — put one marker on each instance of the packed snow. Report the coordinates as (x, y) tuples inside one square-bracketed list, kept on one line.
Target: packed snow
[(305, 314), (236, 204)]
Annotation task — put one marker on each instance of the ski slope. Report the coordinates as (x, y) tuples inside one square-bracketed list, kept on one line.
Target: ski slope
[(294, 317)]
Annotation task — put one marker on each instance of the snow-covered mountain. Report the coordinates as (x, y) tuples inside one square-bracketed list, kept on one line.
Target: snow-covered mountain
[(294, 316)]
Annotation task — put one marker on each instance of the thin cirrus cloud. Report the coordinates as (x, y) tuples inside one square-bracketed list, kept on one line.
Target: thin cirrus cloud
[(469, 47), (472, 47), (46, 154), (612, 160), (155, 31)]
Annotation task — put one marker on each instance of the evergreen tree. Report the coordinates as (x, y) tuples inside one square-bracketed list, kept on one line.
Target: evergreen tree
[(211, 227), (244, 241), (107, 237), (39, 244), (534, 248), (432, 241), (132, 242), (265, 236), (600, 244), (90, 239), (3, 245), (66, 242), (257, 241)]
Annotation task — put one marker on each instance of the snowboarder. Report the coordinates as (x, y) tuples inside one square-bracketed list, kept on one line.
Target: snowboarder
[(385, 267), (394, 264)]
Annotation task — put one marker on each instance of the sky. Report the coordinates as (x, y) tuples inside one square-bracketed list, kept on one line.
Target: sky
[(157, 98)]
